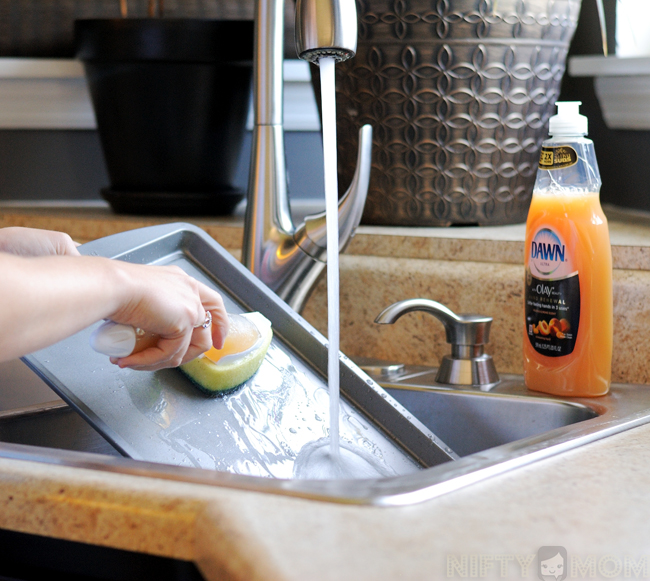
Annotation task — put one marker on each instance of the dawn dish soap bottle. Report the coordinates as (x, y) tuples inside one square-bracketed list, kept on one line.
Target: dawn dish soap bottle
[(568, 279)]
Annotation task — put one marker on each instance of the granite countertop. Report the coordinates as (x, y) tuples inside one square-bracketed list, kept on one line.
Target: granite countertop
[(591, 500), (85, 221)]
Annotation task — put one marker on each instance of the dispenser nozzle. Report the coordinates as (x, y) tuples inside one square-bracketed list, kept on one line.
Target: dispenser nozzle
[(568, 120)]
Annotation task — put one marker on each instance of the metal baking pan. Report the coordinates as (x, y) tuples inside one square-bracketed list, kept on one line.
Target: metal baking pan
[(258, 430)]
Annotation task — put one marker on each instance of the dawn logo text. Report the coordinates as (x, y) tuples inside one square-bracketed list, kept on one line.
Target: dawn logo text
[(547, 252), (551, 252)]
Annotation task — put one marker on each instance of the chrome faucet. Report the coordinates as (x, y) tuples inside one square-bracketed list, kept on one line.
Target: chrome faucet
[(289, 258)]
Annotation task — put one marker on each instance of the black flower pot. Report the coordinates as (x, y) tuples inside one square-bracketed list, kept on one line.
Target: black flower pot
[(171, 99)]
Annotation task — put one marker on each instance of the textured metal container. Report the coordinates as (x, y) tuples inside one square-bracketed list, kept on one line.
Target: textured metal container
[(459, 93)]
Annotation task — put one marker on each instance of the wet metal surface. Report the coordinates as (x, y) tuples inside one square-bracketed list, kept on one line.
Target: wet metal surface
[(258, 430)]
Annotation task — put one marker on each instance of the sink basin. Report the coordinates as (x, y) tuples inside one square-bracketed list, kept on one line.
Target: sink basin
[(31, 414), (492, 433), (470, 422), (52, 425)]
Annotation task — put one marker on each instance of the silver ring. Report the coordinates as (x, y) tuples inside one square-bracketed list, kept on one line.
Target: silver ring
[(207, 322)]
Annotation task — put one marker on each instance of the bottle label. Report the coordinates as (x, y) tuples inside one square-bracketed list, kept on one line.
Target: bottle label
[(557, 157), (552, 295)]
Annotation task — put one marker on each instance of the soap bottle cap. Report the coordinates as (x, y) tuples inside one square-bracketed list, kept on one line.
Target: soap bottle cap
[(568, 120)]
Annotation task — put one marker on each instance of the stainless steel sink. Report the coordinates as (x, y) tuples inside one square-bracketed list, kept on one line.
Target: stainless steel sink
[(473, 421), (492, 433), (431, 439), (31, 414), (52, 425)]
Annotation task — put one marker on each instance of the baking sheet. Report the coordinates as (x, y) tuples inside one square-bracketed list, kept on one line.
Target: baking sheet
[(258, 430)]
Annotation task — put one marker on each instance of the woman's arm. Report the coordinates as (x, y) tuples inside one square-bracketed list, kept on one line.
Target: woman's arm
[(44, 299)]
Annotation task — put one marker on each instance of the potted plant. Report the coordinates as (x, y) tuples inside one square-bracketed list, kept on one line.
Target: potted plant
[(171, 99)]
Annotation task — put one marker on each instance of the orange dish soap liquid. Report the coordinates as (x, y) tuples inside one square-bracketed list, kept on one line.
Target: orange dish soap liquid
[(568, 279)]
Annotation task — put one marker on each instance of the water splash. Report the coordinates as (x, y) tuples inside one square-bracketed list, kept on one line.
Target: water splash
[(316, 462)]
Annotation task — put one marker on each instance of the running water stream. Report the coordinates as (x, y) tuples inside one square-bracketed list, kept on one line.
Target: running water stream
[(328, 458), (328, 104)]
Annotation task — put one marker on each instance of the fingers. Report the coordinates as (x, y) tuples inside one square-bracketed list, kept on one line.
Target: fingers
[(58, 243), (213, 302), (200, 342), (177, 350), (168, 352), (36, 242), (67, 246), (174, 306)]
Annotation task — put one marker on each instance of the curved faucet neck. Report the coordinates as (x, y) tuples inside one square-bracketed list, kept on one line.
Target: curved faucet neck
[(288, 259)]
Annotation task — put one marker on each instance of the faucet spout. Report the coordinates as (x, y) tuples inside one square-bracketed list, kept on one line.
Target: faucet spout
[(326, 29), (287, 258)]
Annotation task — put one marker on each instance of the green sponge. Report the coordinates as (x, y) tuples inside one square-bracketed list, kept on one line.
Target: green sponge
[(218, 379)]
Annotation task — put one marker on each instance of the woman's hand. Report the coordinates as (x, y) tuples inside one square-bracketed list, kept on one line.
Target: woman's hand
[(34, 242), (44, 299), (168, 302)]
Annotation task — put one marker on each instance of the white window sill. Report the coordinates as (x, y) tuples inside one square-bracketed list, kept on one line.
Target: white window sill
[(53, 94), (622, 85)]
